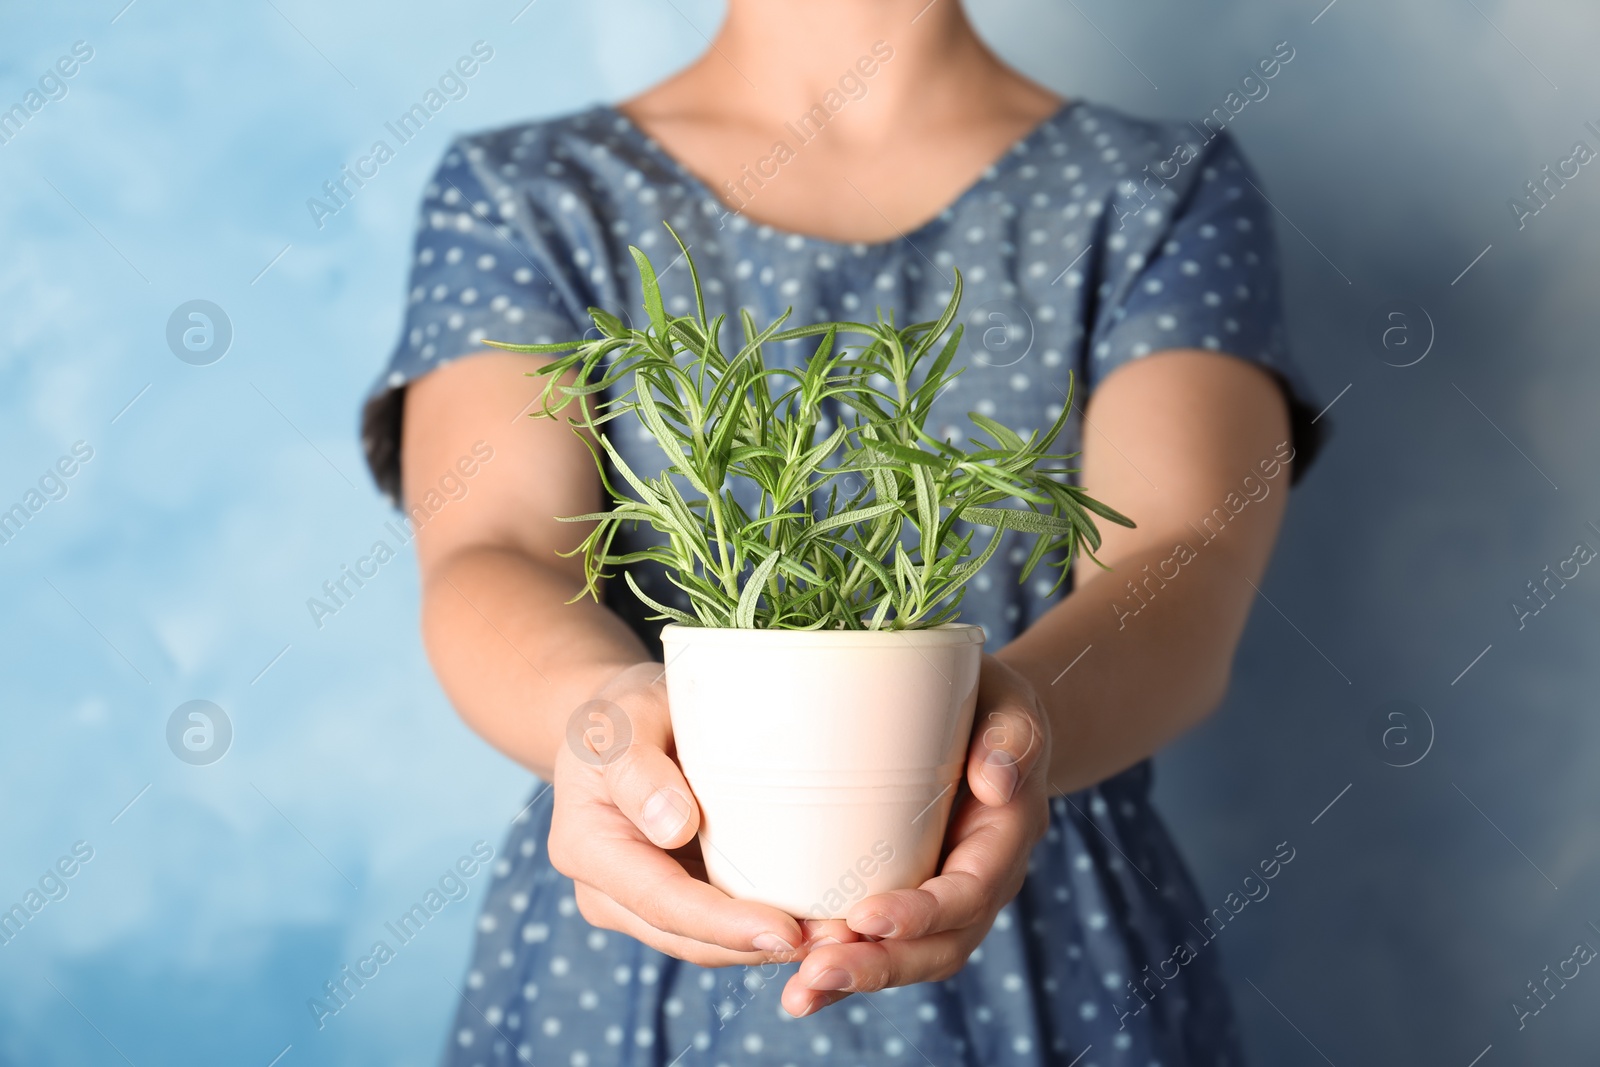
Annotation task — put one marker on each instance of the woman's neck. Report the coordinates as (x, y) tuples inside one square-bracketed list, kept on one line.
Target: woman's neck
[(861, 119), (775, 59)]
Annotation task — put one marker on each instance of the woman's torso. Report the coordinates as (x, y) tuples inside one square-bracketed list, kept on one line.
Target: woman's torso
[(526, 227)]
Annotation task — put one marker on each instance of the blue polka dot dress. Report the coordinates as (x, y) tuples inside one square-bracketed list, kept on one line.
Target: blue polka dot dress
[(1095, 240)]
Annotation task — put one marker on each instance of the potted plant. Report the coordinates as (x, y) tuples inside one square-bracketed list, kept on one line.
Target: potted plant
[(821, 685)]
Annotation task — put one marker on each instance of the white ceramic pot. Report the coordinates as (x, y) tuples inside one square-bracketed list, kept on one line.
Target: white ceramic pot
[(825, 762)]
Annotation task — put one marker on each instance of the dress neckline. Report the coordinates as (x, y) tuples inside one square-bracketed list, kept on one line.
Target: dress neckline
[(990, 173)]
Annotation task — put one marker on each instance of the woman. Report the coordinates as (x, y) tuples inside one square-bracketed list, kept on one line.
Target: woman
[(1131, 255)]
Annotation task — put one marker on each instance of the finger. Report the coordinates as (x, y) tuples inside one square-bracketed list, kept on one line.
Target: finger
[(949, 901), (985, 868), (868, 966), (799, 1001), (827, 931), (652, 885), (601, 911), (647, 787), (594, 843), (1008, 739), (642, 780)]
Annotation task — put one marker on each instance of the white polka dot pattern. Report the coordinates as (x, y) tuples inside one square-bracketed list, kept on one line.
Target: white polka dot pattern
[(1077, 259)]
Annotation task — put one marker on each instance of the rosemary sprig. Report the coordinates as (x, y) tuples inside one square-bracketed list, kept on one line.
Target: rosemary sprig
[(858, 528)]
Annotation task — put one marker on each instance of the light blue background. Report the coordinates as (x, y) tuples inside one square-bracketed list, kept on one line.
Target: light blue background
[(183, 554)]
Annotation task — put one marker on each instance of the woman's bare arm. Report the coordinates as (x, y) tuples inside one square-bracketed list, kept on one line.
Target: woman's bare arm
[(1168, 440), (514, 658)]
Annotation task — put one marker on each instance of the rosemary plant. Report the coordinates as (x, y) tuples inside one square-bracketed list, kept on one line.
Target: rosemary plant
[(856, 528)]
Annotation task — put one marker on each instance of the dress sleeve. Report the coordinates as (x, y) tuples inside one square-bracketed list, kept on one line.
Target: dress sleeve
[(482, 267), (1204, 276)]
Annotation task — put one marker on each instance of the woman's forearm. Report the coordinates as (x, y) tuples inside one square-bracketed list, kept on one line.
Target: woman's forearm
[(1195, 447), (513, 657), (1121, 674)]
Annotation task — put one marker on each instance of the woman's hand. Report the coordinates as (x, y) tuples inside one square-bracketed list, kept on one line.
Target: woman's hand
[(926, 934), (623, 829)]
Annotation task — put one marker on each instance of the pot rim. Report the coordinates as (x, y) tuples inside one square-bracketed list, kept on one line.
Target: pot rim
[(948, 634)]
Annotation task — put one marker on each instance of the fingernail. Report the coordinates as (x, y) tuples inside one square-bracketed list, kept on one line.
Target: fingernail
[(771, 943), (875, 925), (664, 814), (826, 939), (813, 1005), (830, 980), (1000, 771)]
